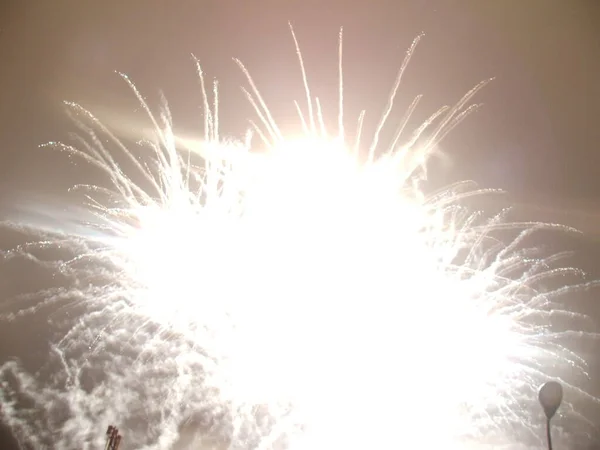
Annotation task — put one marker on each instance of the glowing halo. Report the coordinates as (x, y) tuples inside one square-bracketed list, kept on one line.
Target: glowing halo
[(305, 297)]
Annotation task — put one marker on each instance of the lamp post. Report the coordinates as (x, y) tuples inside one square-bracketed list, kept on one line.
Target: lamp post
[(550, 397)]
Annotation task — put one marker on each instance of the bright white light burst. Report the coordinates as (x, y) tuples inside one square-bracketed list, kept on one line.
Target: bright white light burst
[(309, 296)]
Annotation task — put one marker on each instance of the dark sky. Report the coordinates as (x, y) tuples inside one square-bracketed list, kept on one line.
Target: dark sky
[(536, 136)]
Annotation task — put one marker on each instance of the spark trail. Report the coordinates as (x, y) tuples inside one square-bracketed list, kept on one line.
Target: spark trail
[(308, 296)]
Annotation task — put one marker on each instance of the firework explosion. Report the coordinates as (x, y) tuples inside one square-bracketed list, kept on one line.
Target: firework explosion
[(307, 296)]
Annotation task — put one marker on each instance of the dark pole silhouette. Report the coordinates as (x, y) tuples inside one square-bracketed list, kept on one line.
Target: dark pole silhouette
[(113, 438), (550, 397)]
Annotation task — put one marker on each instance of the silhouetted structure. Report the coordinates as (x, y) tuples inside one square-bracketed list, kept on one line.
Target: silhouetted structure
[(113, 438), (550, 396)]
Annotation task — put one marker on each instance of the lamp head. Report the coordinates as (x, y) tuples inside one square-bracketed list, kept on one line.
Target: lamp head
[(550, 397)]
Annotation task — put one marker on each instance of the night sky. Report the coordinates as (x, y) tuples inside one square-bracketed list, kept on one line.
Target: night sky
[(536, 136)]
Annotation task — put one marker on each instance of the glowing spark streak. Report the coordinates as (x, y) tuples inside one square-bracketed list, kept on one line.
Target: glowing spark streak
[(326, 293)]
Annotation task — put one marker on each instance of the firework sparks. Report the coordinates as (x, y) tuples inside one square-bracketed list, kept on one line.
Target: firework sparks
[(309, 296)]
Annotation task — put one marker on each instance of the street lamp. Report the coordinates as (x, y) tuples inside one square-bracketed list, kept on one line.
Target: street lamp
[(550, 397)]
